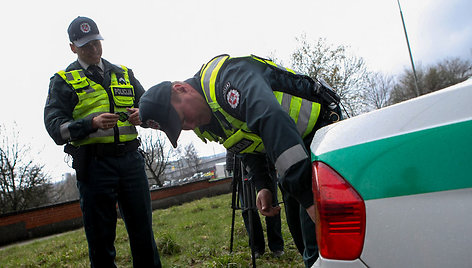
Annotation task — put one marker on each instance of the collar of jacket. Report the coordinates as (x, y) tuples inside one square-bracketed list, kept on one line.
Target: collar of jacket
[(108, 67)]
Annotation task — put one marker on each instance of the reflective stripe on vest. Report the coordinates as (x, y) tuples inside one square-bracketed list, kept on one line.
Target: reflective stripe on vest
[(93, 101), (303, 112)]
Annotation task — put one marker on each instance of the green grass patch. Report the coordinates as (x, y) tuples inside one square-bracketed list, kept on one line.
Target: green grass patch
[(195, 234)]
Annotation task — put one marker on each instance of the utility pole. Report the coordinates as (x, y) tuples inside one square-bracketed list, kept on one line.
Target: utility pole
[(409, 50)]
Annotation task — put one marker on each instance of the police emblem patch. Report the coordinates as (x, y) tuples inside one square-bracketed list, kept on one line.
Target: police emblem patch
[(85, 27), (153, 124), (232, 97)]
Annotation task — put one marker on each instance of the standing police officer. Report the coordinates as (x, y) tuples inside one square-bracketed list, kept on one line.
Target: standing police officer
[(92, 108), (256, 108)]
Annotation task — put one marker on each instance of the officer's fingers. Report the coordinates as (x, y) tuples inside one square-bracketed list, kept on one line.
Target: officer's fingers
[(262, 202), (109, 116), (107, 120), (259, 203), (134, 118), (270, 211), (266, 197), (133, 110), (277, 209)]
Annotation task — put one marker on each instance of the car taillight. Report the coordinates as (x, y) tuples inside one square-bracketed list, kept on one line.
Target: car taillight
[(340, 215)]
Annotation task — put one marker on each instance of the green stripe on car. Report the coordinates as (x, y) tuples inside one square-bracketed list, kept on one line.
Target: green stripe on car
[(430, 148)]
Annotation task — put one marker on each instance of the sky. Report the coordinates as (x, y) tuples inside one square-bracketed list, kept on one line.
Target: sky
[(170, 40)]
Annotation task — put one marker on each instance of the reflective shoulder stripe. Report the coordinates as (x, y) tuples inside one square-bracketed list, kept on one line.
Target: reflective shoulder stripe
[(208, 75), (74, 75), (125, 74), (290, 157), (69, 76)]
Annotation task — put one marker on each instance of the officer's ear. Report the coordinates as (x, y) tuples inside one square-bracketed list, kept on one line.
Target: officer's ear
[(177, 90), (73, 48), (180, 87)]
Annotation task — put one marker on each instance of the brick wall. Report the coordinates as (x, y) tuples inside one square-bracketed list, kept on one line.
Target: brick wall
[(62, 217)]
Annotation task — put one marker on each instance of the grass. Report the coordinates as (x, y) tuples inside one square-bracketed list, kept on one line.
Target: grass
[(195, 234)]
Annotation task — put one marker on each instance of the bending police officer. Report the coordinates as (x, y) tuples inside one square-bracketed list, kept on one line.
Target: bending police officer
[(254, 107)]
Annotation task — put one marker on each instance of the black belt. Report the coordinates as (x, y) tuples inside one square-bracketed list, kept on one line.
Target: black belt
[(113, 149)]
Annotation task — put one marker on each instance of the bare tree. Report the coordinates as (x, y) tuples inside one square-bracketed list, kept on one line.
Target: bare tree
[(156, 156), (435, 77), (66, 190), (23, 184), (378, 90), (190, 155), (346, 73), (177, 162)]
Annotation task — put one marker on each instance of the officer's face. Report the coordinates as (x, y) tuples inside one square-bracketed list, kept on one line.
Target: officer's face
[(191, 107), (90, 53)]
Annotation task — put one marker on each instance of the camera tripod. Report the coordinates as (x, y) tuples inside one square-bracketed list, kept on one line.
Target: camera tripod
[(243, 187)]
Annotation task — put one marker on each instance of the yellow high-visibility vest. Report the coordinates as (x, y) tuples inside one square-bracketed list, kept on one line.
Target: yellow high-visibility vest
[(94, 100), (239, 138)]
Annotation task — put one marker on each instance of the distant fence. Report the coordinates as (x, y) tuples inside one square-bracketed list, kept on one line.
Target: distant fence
[(58, 218)]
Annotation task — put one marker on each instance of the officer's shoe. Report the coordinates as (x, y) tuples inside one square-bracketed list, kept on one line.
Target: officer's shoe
[(278, 253), (258, 254)]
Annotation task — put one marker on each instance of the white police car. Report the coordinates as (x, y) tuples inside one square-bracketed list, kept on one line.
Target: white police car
[(393, 187)]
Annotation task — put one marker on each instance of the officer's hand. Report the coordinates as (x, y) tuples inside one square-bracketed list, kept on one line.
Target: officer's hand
[(311, 212), (105, 121), (134, 116), (264, 203)]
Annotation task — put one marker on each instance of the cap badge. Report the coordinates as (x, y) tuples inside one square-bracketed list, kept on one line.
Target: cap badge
[(153, 124), (85, 27), (233, 98)]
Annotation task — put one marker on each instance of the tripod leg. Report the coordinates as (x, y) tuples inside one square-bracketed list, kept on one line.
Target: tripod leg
[(250, 205), (233, 206), (234, 198)]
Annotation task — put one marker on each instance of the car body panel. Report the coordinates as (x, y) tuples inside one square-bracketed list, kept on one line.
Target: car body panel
[(411, 164), (419, 230)]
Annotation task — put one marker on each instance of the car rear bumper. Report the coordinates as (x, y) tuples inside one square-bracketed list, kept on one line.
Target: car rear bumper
[(327, 263)]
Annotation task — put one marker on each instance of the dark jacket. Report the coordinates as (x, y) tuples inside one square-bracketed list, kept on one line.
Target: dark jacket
[(258, 107), (62, 100)]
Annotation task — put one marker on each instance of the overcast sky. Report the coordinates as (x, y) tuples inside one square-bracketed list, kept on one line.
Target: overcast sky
[(170, 40)]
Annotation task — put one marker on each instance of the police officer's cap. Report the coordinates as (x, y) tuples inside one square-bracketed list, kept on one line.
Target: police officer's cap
[(156, 111), (83, 30)]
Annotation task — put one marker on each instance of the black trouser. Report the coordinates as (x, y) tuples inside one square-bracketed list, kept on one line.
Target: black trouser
[(302, 229), (122, 180)]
